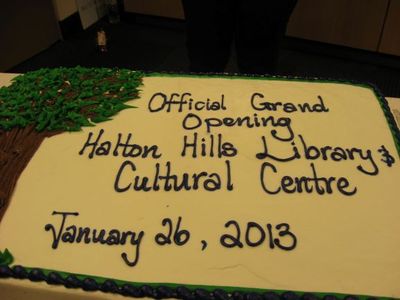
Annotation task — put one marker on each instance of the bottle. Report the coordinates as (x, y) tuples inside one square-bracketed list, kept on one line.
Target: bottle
[(101, 40)]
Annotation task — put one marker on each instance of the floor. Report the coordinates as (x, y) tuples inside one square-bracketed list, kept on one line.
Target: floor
[(159, 45)]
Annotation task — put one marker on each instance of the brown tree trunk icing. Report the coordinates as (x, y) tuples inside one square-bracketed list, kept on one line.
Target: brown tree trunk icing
[(17, 147)]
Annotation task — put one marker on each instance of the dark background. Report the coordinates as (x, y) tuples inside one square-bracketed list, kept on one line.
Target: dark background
[(154, 43)]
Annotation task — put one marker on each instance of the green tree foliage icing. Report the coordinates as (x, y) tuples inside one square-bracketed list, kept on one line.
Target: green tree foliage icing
[(65, 99), (6, 258)]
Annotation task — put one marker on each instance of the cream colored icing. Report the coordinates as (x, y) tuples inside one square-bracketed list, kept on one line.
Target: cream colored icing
[(345, 244)]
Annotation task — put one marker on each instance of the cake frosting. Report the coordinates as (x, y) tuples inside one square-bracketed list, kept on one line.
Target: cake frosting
[(213, 184)]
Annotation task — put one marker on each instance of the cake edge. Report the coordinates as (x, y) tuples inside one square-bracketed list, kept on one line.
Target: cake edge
[(190, 291), (155, 290)]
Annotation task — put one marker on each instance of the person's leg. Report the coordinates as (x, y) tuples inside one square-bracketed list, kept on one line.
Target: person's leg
[(209, 27), (260, 27)]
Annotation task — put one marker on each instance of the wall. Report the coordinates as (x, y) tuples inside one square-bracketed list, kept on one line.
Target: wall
[(64, 8), (355, 23), (26, 28), (372, 25), (161, 8), (390, 42)]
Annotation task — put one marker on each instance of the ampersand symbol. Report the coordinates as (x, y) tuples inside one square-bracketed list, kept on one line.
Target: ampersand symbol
[(386, 157)]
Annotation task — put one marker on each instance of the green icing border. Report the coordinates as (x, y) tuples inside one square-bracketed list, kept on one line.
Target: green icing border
[(392, 126), (210, 288)]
